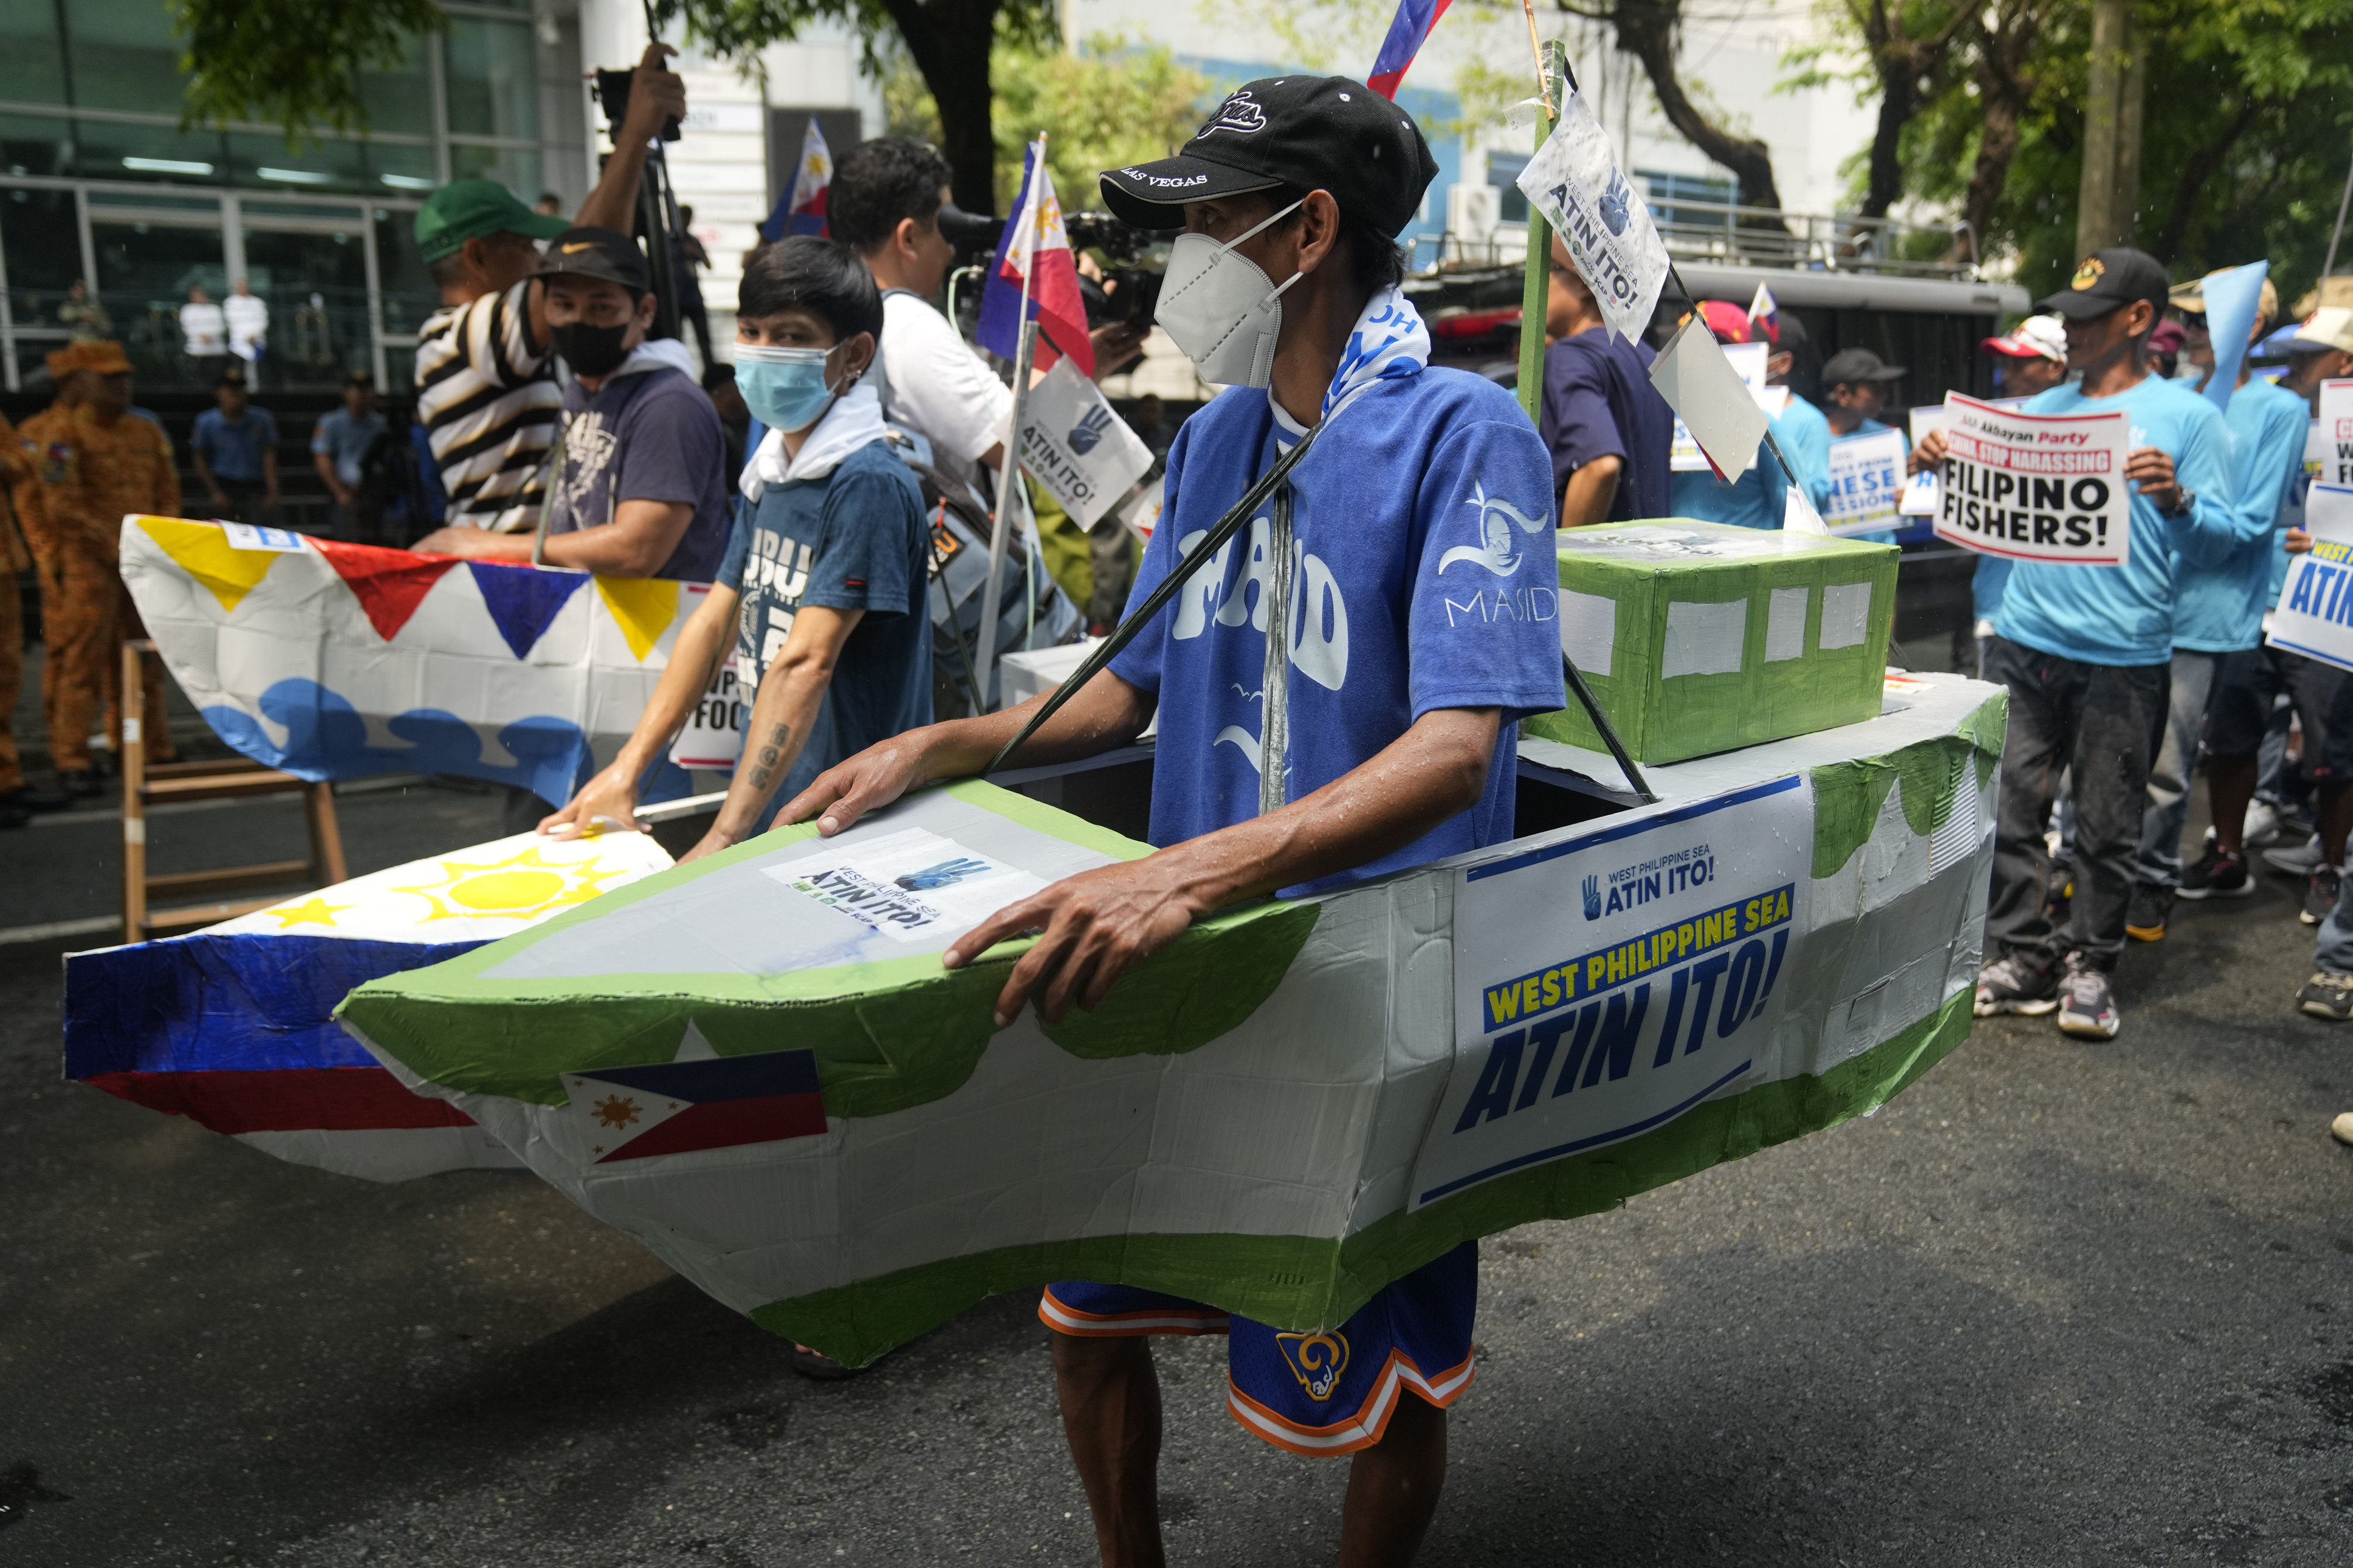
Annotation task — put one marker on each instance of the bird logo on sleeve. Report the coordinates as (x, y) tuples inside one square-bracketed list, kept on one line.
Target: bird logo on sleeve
[(1498, 549)]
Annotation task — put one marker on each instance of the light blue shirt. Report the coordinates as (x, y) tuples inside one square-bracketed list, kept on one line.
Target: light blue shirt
[(2124, 614), (1752, 500), (2219, 609)]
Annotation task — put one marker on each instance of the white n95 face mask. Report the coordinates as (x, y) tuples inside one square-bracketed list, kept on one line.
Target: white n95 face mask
[(1221, 309)]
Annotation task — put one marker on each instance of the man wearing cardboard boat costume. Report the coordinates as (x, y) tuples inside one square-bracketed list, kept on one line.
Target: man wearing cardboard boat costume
[(1380, 736)]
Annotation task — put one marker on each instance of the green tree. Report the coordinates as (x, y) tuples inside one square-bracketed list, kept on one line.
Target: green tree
[(1108, 105), (296, 63)]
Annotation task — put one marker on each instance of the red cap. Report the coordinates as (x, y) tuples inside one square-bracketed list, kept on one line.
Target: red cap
[(1728, 321)]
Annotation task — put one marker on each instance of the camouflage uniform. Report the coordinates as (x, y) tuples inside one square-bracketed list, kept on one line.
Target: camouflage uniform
[(86, 476), (16, 556)]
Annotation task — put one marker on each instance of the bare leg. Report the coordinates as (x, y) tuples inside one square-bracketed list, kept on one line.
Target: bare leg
[(1111, 1415), (1393, 1487), (2231, 789)]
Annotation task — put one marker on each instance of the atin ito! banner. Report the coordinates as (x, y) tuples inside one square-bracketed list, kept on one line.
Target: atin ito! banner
[(2035, 487), (1587, 1021)]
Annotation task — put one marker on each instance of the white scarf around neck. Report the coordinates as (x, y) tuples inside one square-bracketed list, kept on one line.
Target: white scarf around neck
[(855, 420)]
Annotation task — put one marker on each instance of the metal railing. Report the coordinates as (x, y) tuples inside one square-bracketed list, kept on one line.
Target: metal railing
[(1732, 235)]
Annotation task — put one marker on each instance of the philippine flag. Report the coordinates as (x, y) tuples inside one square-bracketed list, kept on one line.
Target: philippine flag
[(1408, 30), (803, 209), (234, 1027), (1764, 315), (680, 1107), (1036, 245)]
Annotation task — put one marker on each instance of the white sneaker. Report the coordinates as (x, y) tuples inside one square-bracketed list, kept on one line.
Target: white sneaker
[(2263, 824), (2298, 861), (2342, 1128)]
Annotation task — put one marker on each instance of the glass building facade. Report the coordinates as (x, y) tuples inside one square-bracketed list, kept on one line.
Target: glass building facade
[(111, 213)]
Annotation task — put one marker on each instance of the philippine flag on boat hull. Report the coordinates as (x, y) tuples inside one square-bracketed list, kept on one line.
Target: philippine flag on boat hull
[(234, 1027), (677, 1107)]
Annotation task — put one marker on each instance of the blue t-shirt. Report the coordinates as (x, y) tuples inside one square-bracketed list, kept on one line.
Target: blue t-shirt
[(651, 436), (853, 540), (1424, 578), (1753, 501), (344, 440), (233, 451), (1599, 402), (2219, 609), (2124, 614)]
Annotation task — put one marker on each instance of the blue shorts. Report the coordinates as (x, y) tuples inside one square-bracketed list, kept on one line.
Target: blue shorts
[(1317, 1394)]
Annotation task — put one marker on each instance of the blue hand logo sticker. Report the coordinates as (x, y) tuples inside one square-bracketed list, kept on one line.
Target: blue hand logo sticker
[(1617, 204), (1088, 433), (946, 874), (1592, 891)]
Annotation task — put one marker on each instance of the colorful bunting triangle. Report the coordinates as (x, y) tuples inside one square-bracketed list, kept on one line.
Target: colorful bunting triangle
[(642, 607), (523, 600), (388, 584)]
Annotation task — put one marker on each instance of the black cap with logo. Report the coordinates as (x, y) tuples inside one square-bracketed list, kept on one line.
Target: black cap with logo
[(591, 252), (2109, 281), (1328, 133)]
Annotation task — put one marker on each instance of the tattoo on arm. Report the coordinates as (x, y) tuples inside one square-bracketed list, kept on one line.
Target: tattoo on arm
[(779, 737)]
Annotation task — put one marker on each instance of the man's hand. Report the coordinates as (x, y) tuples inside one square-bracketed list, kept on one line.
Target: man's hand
[(1097, 926), (710, 842), (2299, 541), (1928, 455), (656, 95), (1116, 345), (608, 800), (867, 782), (473, 544), (2154, 471)]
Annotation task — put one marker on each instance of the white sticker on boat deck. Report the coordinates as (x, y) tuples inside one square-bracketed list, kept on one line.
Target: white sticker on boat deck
[(912, 886)]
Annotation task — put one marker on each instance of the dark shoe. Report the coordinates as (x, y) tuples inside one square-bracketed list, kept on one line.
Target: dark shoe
[(39, 800), (2326, 995), (2216, 874), (2015, 984), (2150, 907), (14, 812), (2320, 894), (2088, 1002), (2298, 859), (820, 1366), (79, 784)]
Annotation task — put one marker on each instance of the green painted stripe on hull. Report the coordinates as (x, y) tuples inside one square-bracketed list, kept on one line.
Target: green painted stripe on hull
[(1302, 1283)]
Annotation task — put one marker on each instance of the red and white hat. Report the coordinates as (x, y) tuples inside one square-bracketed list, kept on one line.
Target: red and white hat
[(2037, 337)]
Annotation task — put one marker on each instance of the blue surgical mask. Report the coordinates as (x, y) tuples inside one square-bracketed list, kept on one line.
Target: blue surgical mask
[(785, 388)]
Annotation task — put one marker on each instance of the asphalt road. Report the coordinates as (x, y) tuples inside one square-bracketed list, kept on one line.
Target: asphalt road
[(2058, 1304)]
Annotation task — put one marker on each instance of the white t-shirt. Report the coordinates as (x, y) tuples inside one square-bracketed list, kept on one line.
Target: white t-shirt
[(206, 329), (248, 319), (939, 388)]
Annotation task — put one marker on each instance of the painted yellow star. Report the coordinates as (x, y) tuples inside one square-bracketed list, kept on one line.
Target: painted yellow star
[(313, 910), (522, 887)]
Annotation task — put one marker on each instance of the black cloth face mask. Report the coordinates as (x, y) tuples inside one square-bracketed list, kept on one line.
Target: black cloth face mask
[(590, 350)]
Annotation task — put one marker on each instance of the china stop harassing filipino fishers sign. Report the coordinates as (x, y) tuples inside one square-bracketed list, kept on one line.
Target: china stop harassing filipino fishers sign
[(2315, 617), (2331, 442), (2036, 487), (1587, 1019)]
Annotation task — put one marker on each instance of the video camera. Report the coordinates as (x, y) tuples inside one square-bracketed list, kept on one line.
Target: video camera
[(613, 93), (1129, 292)]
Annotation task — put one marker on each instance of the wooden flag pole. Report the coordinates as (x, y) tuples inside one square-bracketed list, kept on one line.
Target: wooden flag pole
[(1536, 288), (1024, 337)]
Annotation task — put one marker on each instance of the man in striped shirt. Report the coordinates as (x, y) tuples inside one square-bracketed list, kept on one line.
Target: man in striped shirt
[(485, 379)]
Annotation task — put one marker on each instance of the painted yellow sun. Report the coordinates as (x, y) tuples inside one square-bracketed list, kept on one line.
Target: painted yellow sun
[(522, 887), (616, 1112)]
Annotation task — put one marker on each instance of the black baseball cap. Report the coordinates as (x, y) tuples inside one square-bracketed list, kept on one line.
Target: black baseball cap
[(2109, 281), (1852, 367), (1328, 133), (591, 252), (232, 374)]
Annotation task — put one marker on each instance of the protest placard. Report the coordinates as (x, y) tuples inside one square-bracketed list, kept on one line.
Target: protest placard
[(2035, 487), (1748, 360), (1073, 443), (1866, 480), (2315, 617), (2335, 429), (1574, 181)]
